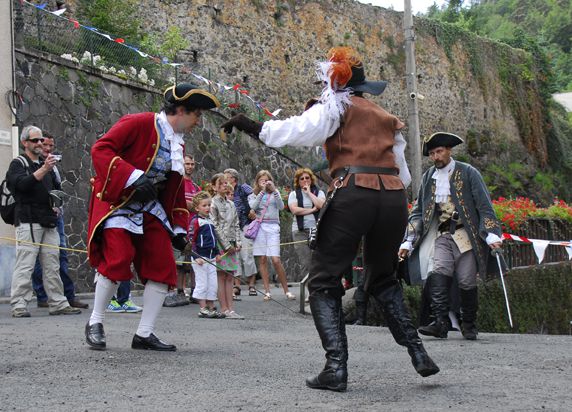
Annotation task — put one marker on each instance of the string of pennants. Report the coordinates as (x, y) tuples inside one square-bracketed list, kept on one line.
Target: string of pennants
[(540, 245), (220, 87)]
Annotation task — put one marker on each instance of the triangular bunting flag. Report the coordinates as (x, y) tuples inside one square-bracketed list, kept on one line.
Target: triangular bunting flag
[(569, 250), (539, 248)]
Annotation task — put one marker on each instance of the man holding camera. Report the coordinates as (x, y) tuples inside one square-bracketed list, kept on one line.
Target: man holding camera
[(30, 180), (37, 283)]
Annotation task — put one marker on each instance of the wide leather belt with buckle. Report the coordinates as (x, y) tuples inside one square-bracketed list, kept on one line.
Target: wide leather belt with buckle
[(365, 170)]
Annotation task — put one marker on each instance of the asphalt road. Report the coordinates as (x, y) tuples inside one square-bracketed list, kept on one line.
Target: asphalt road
[(260, 364)]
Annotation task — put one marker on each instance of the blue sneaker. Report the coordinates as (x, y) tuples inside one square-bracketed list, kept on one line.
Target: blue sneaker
[(114, 307), (131, 307)]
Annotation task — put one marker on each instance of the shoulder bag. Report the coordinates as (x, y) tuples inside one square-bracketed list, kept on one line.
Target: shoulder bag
[(253, 227)]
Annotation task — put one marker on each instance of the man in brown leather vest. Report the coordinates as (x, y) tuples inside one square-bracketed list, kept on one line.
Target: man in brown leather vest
[(365, 151)]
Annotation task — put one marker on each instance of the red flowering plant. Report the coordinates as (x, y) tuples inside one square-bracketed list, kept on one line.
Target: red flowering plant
[(513, 213)]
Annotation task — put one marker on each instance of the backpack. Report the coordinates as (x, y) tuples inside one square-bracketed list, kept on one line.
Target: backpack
[(7, 201)]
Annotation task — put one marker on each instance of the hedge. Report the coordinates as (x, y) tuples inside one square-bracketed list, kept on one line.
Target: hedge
[(540, 301)]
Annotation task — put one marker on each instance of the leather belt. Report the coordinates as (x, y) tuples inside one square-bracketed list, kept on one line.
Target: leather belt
[(446, 227), (365, 170)]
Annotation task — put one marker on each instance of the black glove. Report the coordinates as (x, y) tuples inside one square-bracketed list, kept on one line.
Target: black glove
[(244, 124), (144, 190), (179, 241)]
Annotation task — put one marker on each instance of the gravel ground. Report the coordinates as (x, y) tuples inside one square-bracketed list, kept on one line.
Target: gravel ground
[(260, 364)]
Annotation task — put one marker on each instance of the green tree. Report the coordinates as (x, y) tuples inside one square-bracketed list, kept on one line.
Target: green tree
[(168, 45), (548, 22), (117, 17)]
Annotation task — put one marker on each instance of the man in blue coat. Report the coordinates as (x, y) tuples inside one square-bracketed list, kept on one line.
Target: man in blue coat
[(452, 227)]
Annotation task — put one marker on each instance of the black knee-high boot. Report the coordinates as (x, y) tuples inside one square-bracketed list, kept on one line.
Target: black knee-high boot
[(329, 320), (469, 306), (440, 285), (401, 327)]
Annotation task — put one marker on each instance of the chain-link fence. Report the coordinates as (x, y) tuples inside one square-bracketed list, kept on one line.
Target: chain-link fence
[(40, 30)]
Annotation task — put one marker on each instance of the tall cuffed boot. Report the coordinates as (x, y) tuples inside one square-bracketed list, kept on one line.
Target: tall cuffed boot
[(469, 306), (440, 285), (401, 327), (329, 321)]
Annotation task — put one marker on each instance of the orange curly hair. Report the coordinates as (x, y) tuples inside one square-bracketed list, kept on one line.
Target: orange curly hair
[(344, 58)]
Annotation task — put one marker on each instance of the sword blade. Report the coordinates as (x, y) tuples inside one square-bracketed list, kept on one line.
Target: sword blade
[(504, 290)]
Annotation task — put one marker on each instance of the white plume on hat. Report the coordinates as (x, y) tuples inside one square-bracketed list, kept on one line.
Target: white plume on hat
[(336, 100)]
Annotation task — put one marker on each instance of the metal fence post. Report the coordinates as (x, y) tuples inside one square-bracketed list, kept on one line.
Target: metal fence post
[(88, 44), (509, 253), (39, 21)]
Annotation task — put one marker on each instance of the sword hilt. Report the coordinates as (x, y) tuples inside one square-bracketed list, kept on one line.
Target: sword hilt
[(497, 251)]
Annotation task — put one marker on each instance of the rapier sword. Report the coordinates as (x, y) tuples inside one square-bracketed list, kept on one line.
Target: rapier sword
[(497, 253)]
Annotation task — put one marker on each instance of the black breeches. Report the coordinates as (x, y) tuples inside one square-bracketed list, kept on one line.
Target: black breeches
[(356, 212)]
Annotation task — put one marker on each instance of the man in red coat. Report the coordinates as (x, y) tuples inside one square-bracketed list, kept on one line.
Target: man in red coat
[(137, 208)]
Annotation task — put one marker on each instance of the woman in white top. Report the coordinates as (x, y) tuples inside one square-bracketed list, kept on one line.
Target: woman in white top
[(267, 204), (305, 202)]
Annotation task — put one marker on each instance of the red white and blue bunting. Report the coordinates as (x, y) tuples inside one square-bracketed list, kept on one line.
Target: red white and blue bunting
[(214, 85)]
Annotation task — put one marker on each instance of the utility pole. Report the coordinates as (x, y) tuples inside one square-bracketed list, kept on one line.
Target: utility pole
[(413, 114)]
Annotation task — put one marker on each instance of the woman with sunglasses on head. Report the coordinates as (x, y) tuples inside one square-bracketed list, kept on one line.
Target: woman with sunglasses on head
[(305, 202)]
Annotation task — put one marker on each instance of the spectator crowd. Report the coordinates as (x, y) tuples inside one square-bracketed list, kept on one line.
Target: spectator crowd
[(222, 209)]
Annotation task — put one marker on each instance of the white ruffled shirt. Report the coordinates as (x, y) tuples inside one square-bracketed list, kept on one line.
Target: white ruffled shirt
[(176, 142), (442, 186)]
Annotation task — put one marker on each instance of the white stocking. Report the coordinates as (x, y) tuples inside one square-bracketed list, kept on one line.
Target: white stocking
[(153, 298), (104, 291)]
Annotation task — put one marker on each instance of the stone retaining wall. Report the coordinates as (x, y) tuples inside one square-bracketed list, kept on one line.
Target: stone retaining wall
[(78, 105)]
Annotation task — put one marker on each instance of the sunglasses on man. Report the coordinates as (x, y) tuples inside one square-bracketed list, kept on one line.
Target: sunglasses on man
[(36, 140)]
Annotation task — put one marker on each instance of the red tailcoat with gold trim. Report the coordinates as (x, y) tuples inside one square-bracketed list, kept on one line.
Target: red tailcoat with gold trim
[(132, 143)]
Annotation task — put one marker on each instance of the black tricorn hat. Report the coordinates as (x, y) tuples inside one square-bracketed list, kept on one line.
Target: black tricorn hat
[(359, 84), (190, 94), (440, 139)]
